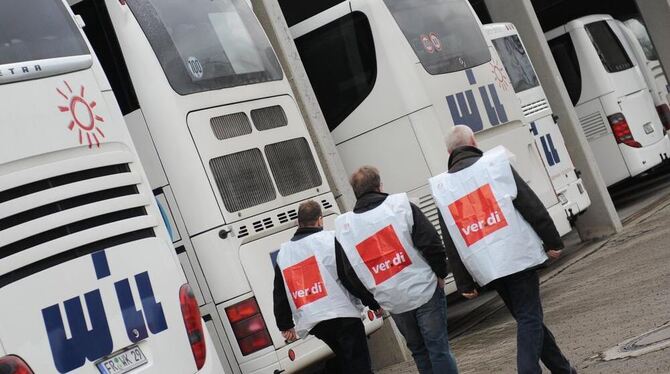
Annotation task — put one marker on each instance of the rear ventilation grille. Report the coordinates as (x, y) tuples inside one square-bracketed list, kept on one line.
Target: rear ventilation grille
[(269, 118), (269, 222), (230, 125), (293, 166), (534, 108), (428, 207), (44, 212), (594, 125), (326, 204)]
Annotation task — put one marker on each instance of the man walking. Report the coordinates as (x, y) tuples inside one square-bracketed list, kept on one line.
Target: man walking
[(391, 254), (494, 229), (307, 291)]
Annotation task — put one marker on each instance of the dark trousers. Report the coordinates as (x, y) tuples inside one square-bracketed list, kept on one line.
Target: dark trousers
[(521, 294), (346, 337)]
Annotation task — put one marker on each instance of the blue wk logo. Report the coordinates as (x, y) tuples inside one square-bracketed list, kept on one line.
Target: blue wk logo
[(464, 109), (84, 344), (550, 151)]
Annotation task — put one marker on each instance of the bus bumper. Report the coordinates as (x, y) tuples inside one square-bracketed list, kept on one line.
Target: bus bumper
[(639, 160)]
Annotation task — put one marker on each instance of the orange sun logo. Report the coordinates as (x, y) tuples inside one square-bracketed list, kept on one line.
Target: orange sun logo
[(83, 117), (500, 75)]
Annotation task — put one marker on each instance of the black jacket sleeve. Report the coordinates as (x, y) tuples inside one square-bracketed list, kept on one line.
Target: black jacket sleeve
[(427, 241), (350, 280), (464, 281), (533, 211), (282, 308)]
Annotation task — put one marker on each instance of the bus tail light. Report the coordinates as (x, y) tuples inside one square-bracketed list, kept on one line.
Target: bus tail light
[(14, 365), (621, 130), (249, 326), (193, 322), (664, 114)]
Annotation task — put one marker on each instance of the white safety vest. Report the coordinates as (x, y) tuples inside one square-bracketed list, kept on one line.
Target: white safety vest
[(311, 282), (378, 244), (492, 238)]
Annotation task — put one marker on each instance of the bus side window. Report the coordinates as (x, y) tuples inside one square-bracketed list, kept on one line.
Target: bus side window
[(341, 65), (568, 65), (100, 32)]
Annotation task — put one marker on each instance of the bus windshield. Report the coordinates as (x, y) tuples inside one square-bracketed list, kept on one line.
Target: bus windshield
[(38, 30), (444, 34), (206, 45), (516, 62)]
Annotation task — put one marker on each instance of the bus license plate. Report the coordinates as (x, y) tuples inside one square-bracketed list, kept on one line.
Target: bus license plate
[(648, 128), (123, 362)]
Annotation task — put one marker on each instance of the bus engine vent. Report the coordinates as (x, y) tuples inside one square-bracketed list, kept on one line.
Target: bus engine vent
[(594, 125), (428, 207), (243, 179), (293, 166), (51, 210), (269, 118), (534, 108), (230, 125)]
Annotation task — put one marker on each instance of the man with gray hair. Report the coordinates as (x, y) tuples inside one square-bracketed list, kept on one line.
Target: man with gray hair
[(496, 230), (392, 255)]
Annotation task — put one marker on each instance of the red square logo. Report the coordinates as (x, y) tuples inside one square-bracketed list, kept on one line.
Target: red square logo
[(383, 254), (477, 215), (304, 282)]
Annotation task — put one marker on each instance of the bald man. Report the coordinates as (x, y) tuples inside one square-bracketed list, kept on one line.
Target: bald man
[(534, 232)]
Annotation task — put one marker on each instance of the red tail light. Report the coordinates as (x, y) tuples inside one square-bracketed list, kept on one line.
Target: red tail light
[(193, 322), (371, 315), (14, 365), (621, 131), (664, 115), (249, 326)]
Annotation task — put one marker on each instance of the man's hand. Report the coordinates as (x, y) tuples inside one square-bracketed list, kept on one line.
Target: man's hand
[(553, 254), (471, 295), (379, 313), (440, 283), (289, 335)]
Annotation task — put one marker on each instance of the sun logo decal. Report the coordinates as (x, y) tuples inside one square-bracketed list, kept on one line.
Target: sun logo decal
[(499, 74), (84, 120)]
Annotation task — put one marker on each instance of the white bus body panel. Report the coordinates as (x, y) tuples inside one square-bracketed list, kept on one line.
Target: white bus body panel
[(607, 93), (548, 138)]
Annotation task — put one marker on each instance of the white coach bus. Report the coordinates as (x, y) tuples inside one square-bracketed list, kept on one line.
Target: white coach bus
[(611, 97), (227, 154), (537, 112), (393, 76), (647, 60), (88, 280)]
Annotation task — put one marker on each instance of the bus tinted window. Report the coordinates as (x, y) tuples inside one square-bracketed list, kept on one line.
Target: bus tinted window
[(341, 64), (206, 45), (516, 62), (643, 37), (611, 52), (566, 58), (444, 34), (296, 11), (38, 30)]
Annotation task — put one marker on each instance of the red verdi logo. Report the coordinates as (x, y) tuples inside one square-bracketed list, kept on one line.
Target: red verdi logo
[(477, 215), (305, 283), (383, 254)]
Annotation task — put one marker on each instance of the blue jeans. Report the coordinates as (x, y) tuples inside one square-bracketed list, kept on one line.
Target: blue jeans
[(425, 330), (534, 341)]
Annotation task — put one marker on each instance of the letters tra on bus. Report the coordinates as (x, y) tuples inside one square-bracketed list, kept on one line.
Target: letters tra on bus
[(383, 254), (477, 215), (305, 282)]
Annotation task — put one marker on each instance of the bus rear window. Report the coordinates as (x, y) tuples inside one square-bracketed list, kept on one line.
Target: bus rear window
[(609, 48), (643, 37), (444, 34), (38, 30), (516, 62), (206, 45), (568, 65)]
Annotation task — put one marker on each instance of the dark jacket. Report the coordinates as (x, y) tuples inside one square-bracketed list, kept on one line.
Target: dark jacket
[(424, 236), (282, 308), (526, 203)]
